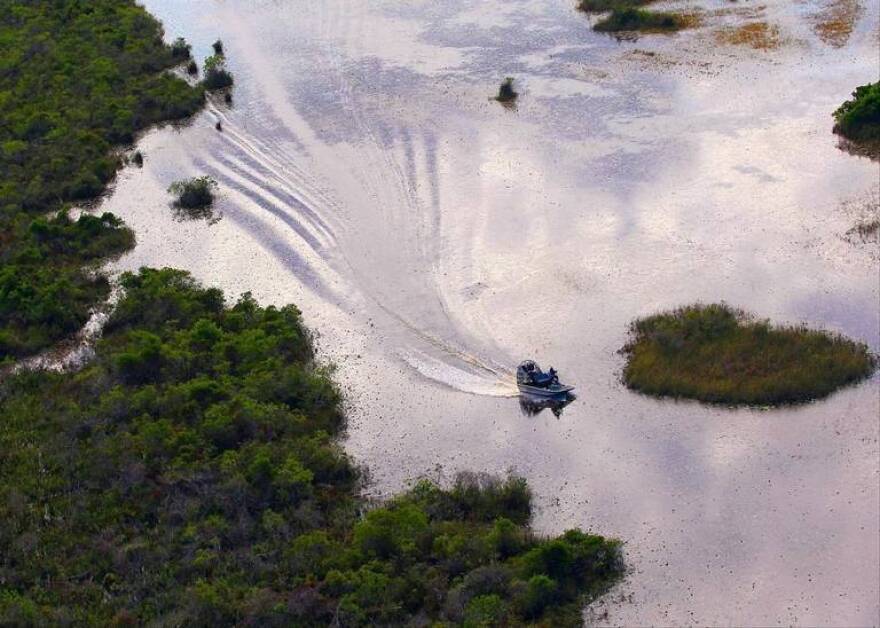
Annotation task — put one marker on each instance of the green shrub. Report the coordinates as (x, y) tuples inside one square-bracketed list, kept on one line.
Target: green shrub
[(180, 50), (717, 354), (216, 75), (858, 119)]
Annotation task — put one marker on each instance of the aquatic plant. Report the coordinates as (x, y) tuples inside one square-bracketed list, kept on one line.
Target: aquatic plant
[(858, 119), (216, 74), (717, 354), (193, 194), (190, 472), (633, 19), (506, 93)]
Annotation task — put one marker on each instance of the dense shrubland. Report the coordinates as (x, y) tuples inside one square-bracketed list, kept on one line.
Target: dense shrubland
[(190, 475), (717, 354), (76, 79)]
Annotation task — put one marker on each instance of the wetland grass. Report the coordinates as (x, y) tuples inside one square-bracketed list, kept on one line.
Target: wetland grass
[(634, 19), (718, 354)]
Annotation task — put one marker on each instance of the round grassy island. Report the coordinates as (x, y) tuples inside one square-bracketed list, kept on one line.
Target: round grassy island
[(718, 354)]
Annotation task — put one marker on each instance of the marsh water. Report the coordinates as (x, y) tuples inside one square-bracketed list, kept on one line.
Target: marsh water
[(433, 238)]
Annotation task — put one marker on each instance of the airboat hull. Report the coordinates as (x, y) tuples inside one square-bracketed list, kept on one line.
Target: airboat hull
[(549, 391)]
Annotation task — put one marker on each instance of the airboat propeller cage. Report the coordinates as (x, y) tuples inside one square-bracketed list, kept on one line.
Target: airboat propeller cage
[(530, 374)]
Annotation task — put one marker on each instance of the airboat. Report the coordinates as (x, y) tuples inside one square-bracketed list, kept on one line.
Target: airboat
[(531, 380)]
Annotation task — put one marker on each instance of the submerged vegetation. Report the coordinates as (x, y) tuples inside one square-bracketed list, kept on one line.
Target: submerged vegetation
[(717, 354), (634, 19), (757, 35), (858, 119), (76, 79), (190, 474)]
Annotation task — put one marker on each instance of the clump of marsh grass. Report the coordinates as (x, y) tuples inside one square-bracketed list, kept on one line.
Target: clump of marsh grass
[(718, 354), (506, 93), (630, 18)]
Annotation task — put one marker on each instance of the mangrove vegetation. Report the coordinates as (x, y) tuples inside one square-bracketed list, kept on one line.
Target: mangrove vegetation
[(717, 354), (76, 79), (858, 119), (190, 475)]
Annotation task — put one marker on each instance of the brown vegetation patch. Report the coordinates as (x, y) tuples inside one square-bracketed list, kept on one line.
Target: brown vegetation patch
[(834, 22), (757, 35)]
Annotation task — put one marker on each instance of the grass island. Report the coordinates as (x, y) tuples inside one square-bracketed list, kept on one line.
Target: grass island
[(629, 18), (718, 354)]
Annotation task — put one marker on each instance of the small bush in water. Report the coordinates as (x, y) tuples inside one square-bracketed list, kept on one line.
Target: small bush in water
[(717, 354), (506, 93), (195, 193)]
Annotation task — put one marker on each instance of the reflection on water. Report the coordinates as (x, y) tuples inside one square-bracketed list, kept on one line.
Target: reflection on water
[(531, 405)]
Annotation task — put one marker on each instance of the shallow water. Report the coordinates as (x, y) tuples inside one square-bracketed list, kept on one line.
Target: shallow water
[(434, 238)]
